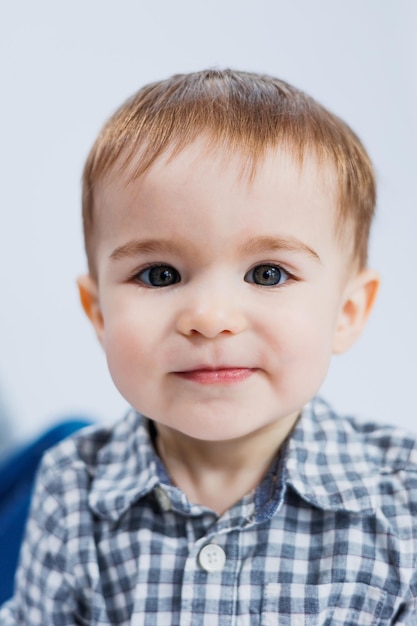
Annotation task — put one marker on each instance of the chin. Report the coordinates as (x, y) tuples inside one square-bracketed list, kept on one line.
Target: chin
[(217, 431)]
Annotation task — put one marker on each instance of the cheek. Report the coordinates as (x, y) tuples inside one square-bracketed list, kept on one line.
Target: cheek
[(302, 335), (299, 357), (127, 320), (123, 357), (125, 342)]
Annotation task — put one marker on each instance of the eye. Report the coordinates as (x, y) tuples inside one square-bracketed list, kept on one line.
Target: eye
[(266, 275), (158, 276)]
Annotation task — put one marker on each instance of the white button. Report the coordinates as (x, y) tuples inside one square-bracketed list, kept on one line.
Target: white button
[(163, 499), (212, 558)]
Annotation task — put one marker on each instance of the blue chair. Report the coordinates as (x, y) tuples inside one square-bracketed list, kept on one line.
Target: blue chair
[(17, 475)]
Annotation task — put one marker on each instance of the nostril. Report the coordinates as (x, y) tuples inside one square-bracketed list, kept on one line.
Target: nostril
[(211, 322)]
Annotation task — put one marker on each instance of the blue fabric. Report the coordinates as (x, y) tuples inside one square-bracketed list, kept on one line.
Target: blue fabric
[(17, 475)]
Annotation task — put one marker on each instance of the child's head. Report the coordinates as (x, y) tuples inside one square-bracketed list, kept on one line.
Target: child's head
[(226, 221)]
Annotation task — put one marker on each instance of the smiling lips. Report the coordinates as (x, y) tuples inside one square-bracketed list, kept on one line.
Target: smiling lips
[(221, 375)]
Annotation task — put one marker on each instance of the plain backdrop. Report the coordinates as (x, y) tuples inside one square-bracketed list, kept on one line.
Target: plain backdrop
[(65, 66)]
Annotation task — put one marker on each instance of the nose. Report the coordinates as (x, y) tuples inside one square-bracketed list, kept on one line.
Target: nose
[(210, 313)]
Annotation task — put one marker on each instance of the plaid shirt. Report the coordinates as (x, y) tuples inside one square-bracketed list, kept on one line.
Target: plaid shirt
[(327, 539)]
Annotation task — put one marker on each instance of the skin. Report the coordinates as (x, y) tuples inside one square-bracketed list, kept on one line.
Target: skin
[(220, 357)]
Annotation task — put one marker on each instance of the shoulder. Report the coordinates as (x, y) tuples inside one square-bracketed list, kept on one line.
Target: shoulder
[(76, 455), (71, 466), (391, 454), (342, 463), (386, 448), (384, 460)]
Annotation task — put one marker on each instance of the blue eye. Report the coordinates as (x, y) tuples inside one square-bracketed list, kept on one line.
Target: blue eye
[(266, 275), (159, 276)]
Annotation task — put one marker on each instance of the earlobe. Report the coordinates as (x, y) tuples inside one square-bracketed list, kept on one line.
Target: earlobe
[(88, 291), (358, 301)]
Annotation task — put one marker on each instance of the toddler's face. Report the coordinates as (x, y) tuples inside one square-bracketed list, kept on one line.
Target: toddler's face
[(220, 300)]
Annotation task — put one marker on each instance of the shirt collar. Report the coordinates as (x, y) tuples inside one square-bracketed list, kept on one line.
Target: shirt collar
[(325, 461), (127, 468), (328, 462)]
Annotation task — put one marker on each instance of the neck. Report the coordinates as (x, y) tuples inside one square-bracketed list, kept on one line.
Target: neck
[(218, 474)]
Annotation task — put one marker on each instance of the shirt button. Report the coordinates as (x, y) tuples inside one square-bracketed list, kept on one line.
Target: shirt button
[(212, 558)]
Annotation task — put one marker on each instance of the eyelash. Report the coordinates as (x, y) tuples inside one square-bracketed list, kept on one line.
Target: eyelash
[(266, 268)]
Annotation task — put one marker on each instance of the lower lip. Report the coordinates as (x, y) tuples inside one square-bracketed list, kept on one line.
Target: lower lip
[(219, 377)]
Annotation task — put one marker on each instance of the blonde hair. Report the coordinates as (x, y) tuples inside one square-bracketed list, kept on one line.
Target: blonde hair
[(245, 112)]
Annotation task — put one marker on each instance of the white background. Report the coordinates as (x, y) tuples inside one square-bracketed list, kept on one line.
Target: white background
[(65, 66)]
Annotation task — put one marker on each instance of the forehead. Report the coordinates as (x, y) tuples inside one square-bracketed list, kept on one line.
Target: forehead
[(212, 173)]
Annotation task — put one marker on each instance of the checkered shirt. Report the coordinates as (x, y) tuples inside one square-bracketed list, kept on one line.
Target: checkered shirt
[(327, 539)]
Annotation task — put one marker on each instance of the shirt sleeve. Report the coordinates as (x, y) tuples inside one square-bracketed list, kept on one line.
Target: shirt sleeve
[(44, 586)]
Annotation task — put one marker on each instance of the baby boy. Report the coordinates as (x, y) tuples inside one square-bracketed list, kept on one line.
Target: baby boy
[(226, 221)]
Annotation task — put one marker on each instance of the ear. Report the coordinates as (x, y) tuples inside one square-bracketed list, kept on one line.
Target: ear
[(88, 291), (357, 303)]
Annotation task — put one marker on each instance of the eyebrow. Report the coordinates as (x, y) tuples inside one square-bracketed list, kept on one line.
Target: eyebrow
[(259, 245), (254, 245), (146, 246)]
